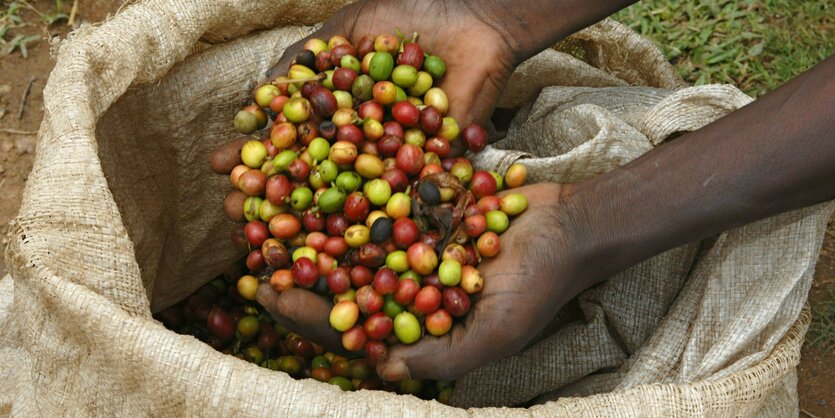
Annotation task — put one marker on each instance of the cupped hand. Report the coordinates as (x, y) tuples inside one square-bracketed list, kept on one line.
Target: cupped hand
[(478, 56), (524, 287)]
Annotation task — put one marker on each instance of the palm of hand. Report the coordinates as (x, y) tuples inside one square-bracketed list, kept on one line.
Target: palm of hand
[(524, 286), (479, 61)]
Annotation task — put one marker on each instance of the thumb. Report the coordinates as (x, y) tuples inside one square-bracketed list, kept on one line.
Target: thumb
[(465, 348), (283, 65), (302, 312)]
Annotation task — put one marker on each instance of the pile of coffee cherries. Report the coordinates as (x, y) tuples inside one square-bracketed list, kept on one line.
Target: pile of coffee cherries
[(218, 315), (362, 193)]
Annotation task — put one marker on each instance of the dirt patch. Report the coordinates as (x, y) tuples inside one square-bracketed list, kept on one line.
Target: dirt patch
[(817, 367), (22, 81), (816, 370)]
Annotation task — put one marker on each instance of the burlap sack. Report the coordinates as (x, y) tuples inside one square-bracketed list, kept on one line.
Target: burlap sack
[(122, 216)]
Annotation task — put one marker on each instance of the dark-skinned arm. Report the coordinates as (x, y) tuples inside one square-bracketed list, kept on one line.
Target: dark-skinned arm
[(771, 156)]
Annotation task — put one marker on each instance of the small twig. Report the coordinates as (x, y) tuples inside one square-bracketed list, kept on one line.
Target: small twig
[(811, 415), (24, 97), (17, 131), (3, 182), (73, 11)]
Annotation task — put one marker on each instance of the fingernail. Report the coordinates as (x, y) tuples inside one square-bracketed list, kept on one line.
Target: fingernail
[(395, 370)]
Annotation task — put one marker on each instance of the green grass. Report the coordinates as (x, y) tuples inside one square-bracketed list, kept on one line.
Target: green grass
[(13, 24), (755, 45), (822, 329)]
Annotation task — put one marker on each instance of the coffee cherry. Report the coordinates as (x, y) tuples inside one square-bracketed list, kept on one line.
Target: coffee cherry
[(514, 204), (342, 383), (281, 280), (407, 328), (255, 260), (221, 324), (339, 280), (429, 193), (516, 175), (357, 235), (362, 88), (379, 192), (455, 252), (246, 122), (435, 66), (252, 207), (371, 255), (253, 154), (405, 232), (489, 244), (332, 200), (369, 300), (407, 289), (297, 110), (475, 225), (410, 159), (361, 276), (412, 55), (488, 203), (476, 137), (381, 66), (256, 233), (356, 207), (344, 315), (275, 253), (497, 221), (305, 273), (381, 230), (456, 301), (482, 184), (422, 258), (378, 326), (354, 339), (438, 323), (337, 224), (449, 272), (384, 92), (247, 286), (397, 260), (369, 166), (343, 152), (471, 280), (434, 97)]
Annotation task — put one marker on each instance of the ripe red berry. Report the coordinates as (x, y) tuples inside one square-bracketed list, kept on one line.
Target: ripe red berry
[(405, 113), (476, 137), (386, 281), (305, 273), (405, 232)]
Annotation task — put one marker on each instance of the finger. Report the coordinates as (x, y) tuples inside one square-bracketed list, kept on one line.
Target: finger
[(286, 60), (303, 312), (473, 91), (233, 205), (227, 156), (465, 348)]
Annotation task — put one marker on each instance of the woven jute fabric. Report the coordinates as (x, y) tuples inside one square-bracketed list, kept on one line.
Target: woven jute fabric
[(122, 217)]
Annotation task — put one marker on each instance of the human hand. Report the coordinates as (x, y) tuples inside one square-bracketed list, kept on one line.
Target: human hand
[(478, 57), (524, 286)]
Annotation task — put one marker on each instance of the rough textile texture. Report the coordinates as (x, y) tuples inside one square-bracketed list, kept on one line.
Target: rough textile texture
[(121, 217)]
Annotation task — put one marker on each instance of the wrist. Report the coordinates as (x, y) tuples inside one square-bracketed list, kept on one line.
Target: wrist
[(600, 234)]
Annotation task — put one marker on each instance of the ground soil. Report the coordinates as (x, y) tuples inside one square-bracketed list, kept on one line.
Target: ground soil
[(816, 370)]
